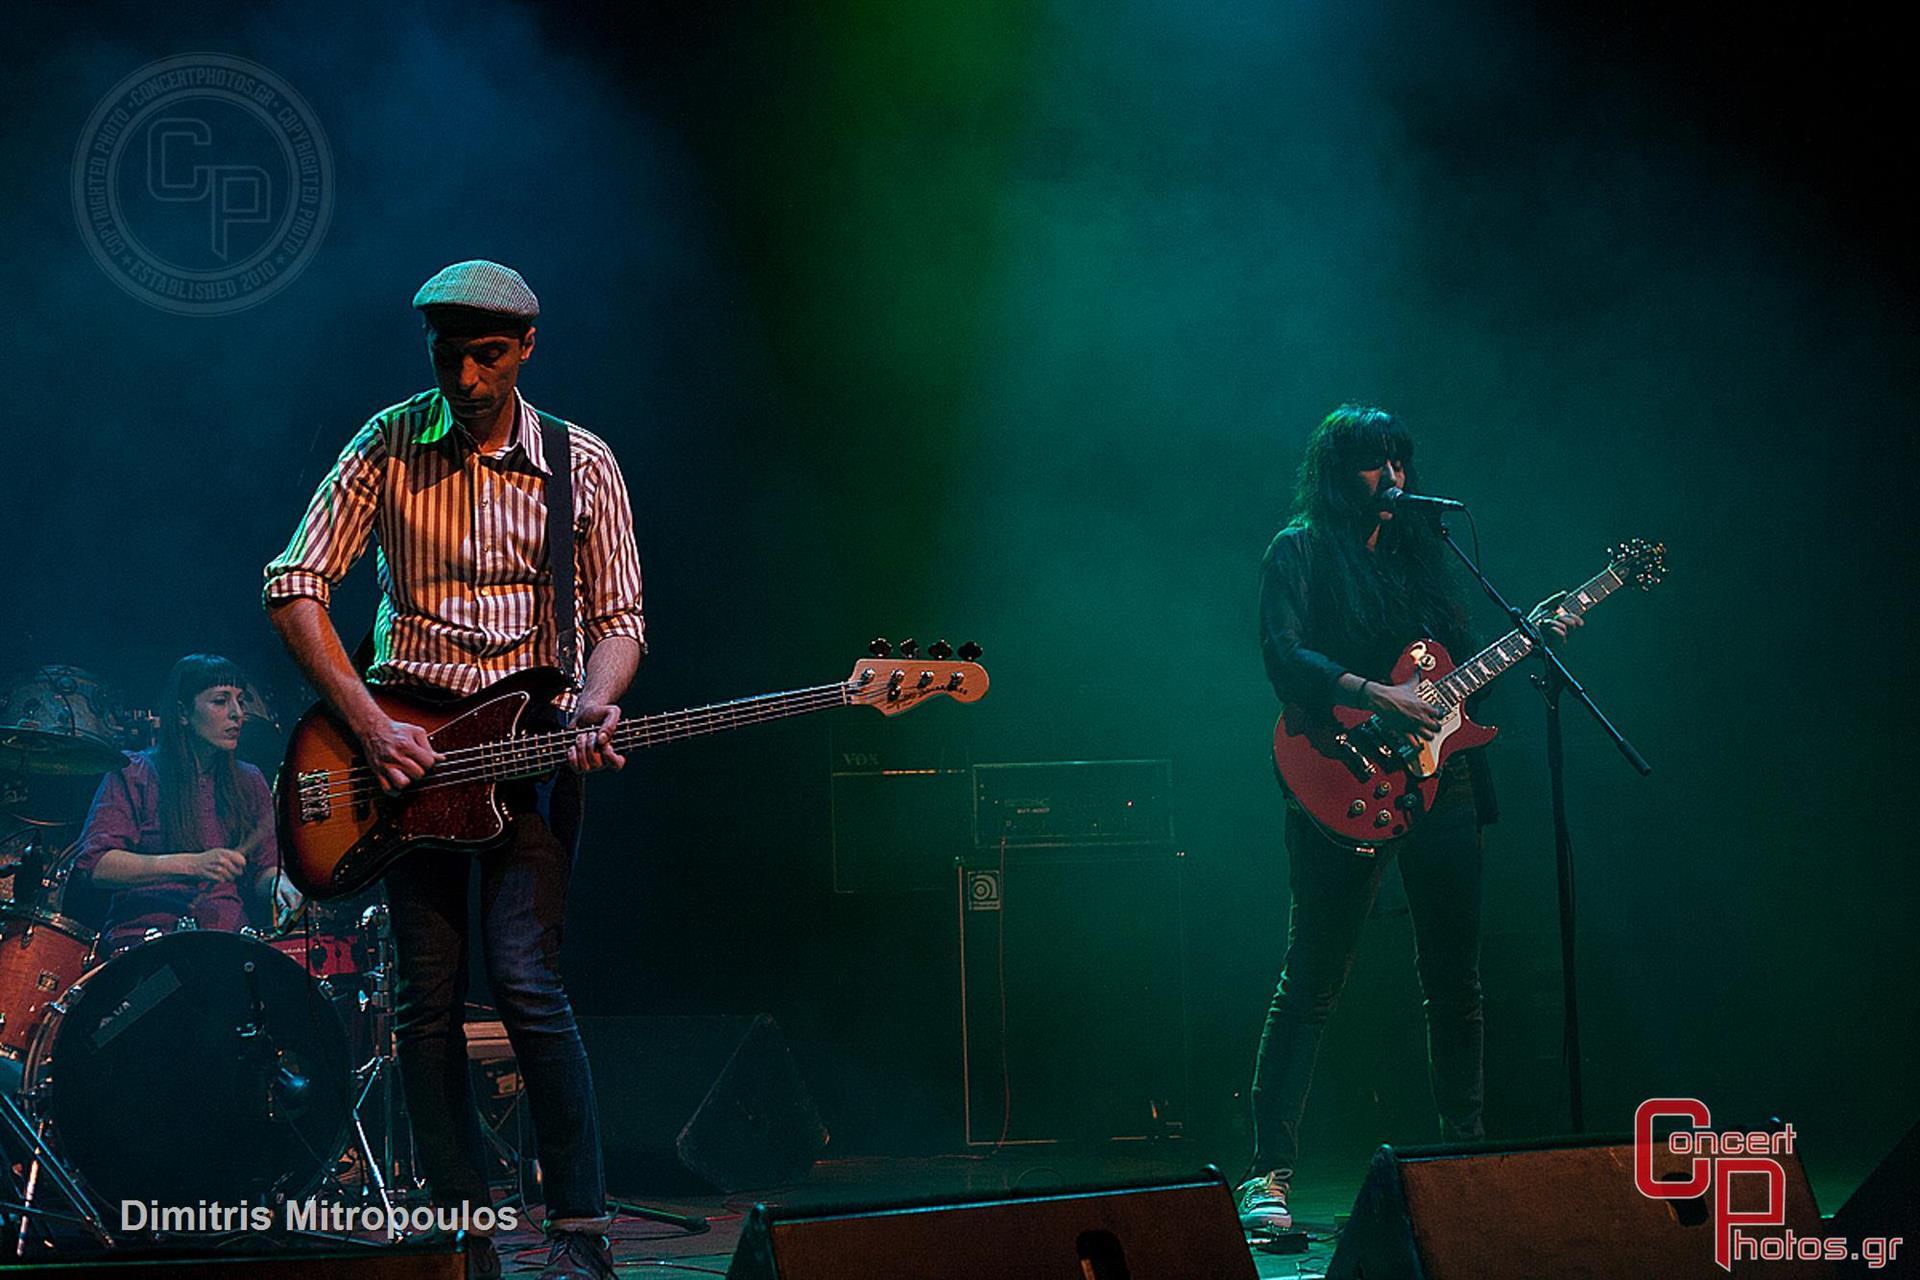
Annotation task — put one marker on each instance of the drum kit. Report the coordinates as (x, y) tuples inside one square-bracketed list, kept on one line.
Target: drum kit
[(122, 1070)]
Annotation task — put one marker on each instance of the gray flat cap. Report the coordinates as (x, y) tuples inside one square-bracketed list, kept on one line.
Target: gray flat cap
[(482, 285)]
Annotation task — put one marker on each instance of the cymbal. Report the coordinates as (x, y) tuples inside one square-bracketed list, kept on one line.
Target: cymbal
[(44, 751), (57, 720)]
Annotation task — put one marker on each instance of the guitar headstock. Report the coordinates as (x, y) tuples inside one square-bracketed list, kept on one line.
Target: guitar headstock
[(1641, 562), (893, 684)]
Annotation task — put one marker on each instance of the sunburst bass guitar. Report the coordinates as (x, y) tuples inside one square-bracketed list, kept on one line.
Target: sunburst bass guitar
[(339, 831), (1363, 783)]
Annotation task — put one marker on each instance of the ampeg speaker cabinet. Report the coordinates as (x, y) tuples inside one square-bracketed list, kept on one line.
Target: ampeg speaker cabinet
[(1073, 994), (1184, 1230), (700, 1103), (1567, 1212)]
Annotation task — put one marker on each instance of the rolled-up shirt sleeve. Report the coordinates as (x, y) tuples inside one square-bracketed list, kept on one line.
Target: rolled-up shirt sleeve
[(112, 823), (333, 532), (1299, 674), (606, 559)]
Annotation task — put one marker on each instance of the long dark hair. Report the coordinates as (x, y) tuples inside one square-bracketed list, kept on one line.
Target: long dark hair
[(179, 765), (1400, 587)]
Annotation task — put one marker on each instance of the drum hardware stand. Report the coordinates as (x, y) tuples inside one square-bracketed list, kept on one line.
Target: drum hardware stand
[(377, 1072), (41, 1158), (45, 879), (387, 1168), (513, 1154), (383, 1169), (384, 1066)]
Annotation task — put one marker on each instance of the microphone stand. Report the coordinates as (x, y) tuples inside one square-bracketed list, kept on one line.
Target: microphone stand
[(1552, 681)]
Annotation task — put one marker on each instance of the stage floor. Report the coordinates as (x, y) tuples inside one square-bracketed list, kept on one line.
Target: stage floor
[(647, 1248)]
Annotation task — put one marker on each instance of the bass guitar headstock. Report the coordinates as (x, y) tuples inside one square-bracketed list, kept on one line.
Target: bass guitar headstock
[(1640, 562), (893, 681)]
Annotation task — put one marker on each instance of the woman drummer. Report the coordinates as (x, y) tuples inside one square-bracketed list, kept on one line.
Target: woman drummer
[(185, 830)]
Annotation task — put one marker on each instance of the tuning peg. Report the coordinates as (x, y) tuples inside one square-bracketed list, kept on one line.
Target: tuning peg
[(970, 652), (939, 651), (879, 648), (909, 647)]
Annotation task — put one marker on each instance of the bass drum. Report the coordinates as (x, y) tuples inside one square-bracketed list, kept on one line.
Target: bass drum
[(197, 1066)]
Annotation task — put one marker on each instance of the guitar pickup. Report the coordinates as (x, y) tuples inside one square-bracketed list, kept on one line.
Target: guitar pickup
[(316, 805), (1354, 758)]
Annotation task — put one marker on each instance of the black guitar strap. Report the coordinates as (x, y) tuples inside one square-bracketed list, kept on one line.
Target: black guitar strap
[(559, 456)]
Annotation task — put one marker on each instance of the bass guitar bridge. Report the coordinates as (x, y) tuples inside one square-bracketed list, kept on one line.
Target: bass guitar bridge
[(316, 803)]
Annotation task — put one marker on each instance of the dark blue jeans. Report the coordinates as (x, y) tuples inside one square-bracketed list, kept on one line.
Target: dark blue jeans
[(1333, 892), (523, 894)]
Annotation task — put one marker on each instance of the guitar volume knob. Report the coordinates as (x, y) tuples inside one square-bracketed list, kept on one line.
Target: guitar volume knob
[(1383, 817), (1380, 792), (1357, 808)]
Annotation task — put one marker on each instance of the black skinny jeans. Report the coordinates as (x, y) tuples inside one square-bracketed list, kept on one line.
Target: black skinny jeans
[(523, 896), (1333, 892)]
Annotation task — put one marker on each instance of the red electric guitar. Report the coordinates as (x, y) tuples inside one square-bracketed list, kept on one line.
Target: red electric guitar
[(1363, 783), (339, 831)]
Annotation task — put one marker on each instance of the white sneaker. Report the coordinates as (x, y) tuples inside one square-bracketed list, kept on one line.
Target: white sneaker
[(1263, 1203)]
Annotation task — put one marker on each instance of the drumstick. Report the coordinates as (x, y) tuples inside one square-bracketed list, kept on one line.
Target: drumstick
[(246, 847)]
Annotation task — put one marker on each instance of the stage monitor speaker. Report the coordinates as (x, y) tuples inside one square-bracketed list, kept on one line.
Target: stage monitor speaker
[(1170, 1230), (1887, 1204), (1564, 1211), (700, 1103), (1073, 995)]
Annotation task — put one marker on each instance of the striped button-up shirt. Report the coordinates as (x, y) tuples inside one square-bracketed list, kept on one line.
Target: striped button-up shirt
[(466, 595)]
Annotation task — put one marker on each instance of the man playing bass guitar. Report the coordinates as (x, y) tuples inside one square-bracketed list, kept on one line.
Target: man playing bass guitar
[(455, 484), (1343, 588)]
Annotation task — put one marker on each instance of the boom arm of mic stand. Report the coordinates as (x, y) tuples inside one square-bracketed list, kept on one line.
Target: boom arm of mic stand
[(1557, 673)]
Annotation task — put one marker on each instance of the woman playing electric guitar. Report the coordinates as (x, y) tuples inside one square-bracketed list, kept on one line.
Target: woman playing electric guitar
[(1344, 587)]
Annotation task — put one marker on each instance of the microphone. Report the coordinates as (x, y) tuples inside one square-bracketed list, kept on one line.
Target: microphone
[(1392, 498)]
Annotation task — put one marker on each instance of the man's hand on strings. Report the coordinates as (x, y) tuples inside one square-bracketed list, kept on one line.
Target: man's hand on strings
[(593, 740), (399, 753)]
